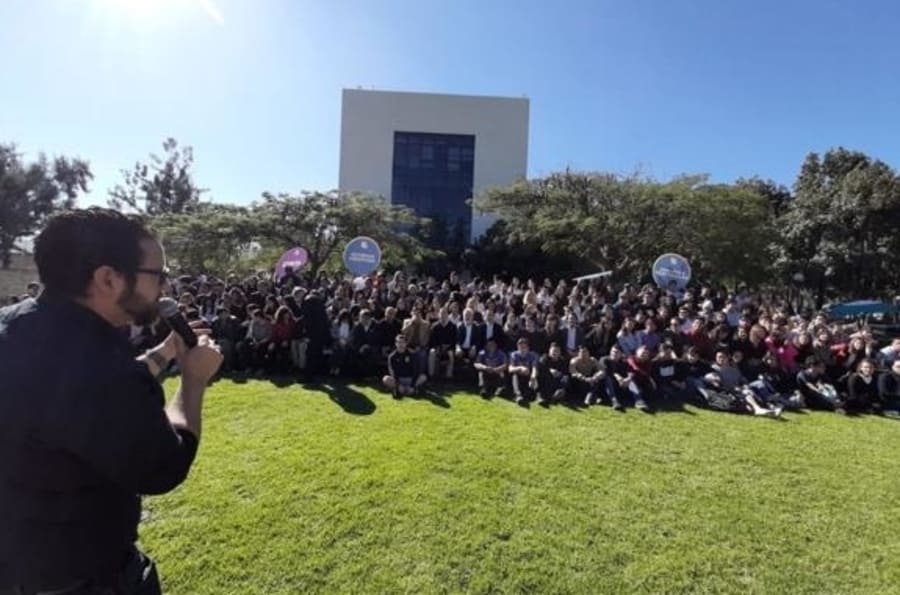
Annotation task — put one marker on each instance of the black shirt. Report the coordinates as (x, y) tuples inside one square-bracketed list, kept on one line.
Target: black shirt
[(443, 335), (82, 434), (402, 365)]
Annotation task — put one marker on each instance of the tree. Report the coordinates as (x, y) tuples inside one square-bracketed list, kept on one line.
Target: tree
[(323, 223), (30, 193), (208, 239), (162, 186), (724, 230), (594, 218), (840, 231), (778, 197), (611, 222)]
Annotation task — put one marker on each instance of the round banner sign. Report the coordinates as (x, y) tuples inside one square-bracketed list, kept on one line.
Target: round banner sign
[(362, 256), (672, 270)]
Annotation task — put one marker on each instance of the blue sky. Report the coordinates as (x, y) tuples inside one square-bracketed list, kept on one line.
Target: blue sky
[(726, 87)]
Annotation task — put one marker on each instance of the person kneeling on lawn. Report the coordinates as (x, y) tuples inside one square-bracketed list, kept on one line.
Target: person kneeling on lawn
[(404, 376), (491, 367)]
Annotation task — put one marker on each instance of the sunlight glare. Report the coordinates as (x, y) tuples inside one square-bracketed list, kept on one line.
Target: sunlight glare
[(144, 11)]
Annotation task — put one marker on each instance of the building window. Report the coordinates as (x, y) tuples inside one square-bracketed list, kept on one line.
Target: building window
[(433, 174)]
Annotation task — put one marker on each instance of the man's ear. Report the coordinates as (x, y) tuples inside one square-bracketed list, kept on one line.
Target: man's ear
[(106, 282)]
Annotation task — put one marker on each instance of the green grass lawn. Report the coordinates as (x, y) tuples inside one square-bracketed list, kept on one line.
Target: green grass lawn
[(304, 490)]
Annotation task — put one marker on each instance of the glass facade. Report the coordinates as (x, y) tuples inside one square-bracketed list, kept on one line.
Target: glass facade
[(433, 175)]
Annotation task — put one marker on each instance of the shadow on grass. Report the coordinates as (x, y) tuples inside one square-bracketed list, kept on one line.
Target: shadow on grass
[(346, 397), (435, 397)]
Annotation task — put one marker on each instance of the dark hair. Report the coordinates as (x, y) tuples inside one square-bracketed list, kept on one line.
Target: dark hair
[(76, 243)]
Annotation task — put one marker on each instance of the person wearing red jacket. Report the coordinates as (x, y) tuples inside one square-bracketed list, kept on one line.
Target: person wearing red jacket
[(641, 384)]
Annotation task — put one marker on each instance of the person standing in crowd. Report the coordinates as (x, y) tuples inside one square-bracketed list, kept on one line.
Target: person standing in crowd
[(83, 439), (469, 337), (314, 319), (365, 344), (442, 345)]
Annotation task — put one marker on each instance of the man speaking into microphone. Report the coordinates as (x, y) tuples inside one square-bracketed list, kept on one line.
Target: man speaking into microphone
[(84, 428)]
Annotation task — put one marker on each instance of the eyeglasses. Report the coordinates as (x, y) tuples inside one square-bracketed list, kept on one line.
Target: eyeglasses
[(161, 274)]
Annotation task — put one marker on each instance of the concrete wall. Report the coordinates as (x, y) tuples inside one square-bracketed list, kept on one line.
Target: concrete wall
[(370, 118), (16, 278)]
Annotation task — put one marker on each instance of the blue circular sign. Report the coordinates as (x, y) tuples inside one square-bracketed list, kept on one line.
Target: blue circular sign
[(362, 255), (672, 271)]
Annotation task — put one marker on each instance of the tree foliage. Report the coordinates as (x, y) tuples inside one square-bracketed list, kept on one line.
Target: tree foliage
[(622, 223), (211, 238), (840, 232), (31, 192), (323, 223), (162, 186)]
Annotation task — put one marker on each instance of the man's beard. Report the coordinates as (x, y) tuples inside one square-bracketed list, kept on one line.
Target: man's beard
[(141, 311)]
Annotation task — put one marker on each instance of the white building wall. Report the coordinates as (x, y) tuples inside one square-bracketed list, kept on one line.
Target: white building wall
[(370, 118)]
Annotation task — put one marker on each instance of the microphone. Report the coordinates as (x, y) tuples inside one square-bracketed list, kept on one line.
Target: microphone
[(168, 311)]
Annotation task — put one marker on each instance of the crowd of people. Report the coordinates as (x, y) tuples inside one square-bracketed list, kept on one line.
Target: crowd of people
[(583, 343)]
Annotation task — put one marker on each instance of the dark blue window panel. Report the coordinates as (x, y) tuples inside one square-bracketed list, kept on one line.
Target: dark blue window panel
[(433, 174)]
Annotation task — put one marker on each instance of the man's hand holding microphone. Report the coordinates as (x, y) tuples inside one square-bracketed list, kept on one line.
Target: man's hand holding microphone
[(198, 357)]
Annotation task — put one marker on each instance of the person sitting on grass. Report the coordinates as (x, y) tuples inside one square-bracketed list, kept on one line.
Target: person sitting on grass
[(491, 365), (586, 376), (404, 376), (553, 375), (670, 374), (889, 389), (731, 375), (716, 395), (640, 383), (774, 386), (618, 375), (862, 390), (728, 378), (523, 369), (817, 393)]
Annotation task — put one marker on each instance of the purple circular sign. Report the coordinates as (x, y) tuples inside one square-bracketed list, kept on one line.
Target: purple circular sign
[(296, 258)]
